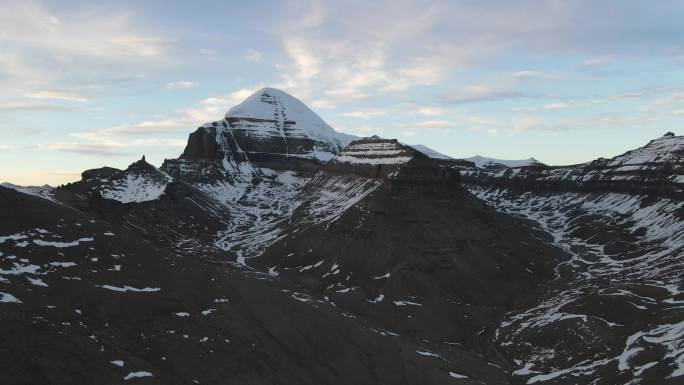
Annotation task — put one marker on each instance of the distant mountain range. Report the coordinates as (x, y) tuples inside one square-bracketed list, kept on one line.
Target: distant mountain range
[(277, 250)]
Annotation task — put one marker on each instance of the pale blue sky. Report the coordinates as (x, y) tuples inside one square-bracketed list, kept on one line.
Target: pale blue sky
[(92, 83)]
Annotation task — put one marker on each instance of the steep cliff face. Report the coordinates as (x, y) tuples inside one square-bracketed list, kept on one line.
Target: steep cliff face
[(372, 157), (403, 168)]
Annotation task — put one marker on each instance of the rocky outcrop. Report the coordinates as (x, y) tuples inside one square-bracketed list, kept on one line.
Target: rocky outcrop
[(139, 182), (372, 157)]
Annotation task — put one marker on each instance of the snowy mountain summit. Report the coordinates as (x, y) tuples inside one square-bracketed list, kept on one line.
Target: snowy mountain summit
[(268, 129), (272, 112)]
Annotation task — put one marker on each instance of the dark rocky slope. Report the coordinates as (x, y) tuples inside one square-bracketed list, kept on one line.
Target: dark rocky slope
[(85, 301), (418, 254), (614, 313)]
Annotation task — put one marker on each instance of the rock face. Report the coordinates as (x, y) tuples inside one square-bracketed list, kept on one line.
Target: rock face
[(372, 157), (404, 169)]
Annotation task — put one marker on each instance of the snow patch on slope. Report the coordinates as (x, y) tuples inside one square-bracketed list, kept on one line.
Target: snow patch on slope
[(667, 148), (135, 188)]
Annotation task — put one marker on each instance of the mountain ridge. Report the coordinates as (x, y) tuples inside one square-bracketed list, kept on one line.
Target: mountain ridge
[(252, 259)]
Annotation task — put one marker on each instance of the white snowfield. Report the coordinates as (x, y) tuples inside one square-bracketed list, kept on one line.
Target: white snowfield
[(484, 162), (139, 374), (135, 188), (8, 298), (127, 288)]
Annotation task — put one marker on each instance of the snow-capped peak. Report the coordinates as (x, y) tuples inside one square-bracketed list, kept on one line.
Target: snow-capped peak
[(484, 162), (288, 113)]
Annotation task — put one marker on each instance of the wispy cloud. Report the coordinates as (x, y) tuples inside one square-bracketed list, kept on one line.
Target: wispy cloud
[(179, 85), (32, 106), (436, 124), (228, 100), (68, 95), (598, 61), (141, 128), (43, 50), (254, 56), (431, 111), (364, 114), (482, 93), (100, 149), (555, 106)]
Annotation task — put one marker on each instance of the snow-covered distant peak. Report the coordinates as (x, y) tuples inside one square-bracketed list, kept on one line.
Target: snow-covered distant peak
[(667, 148), (288, 113), (17, 187), (44, 191), (429, 152), (484, 162)]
